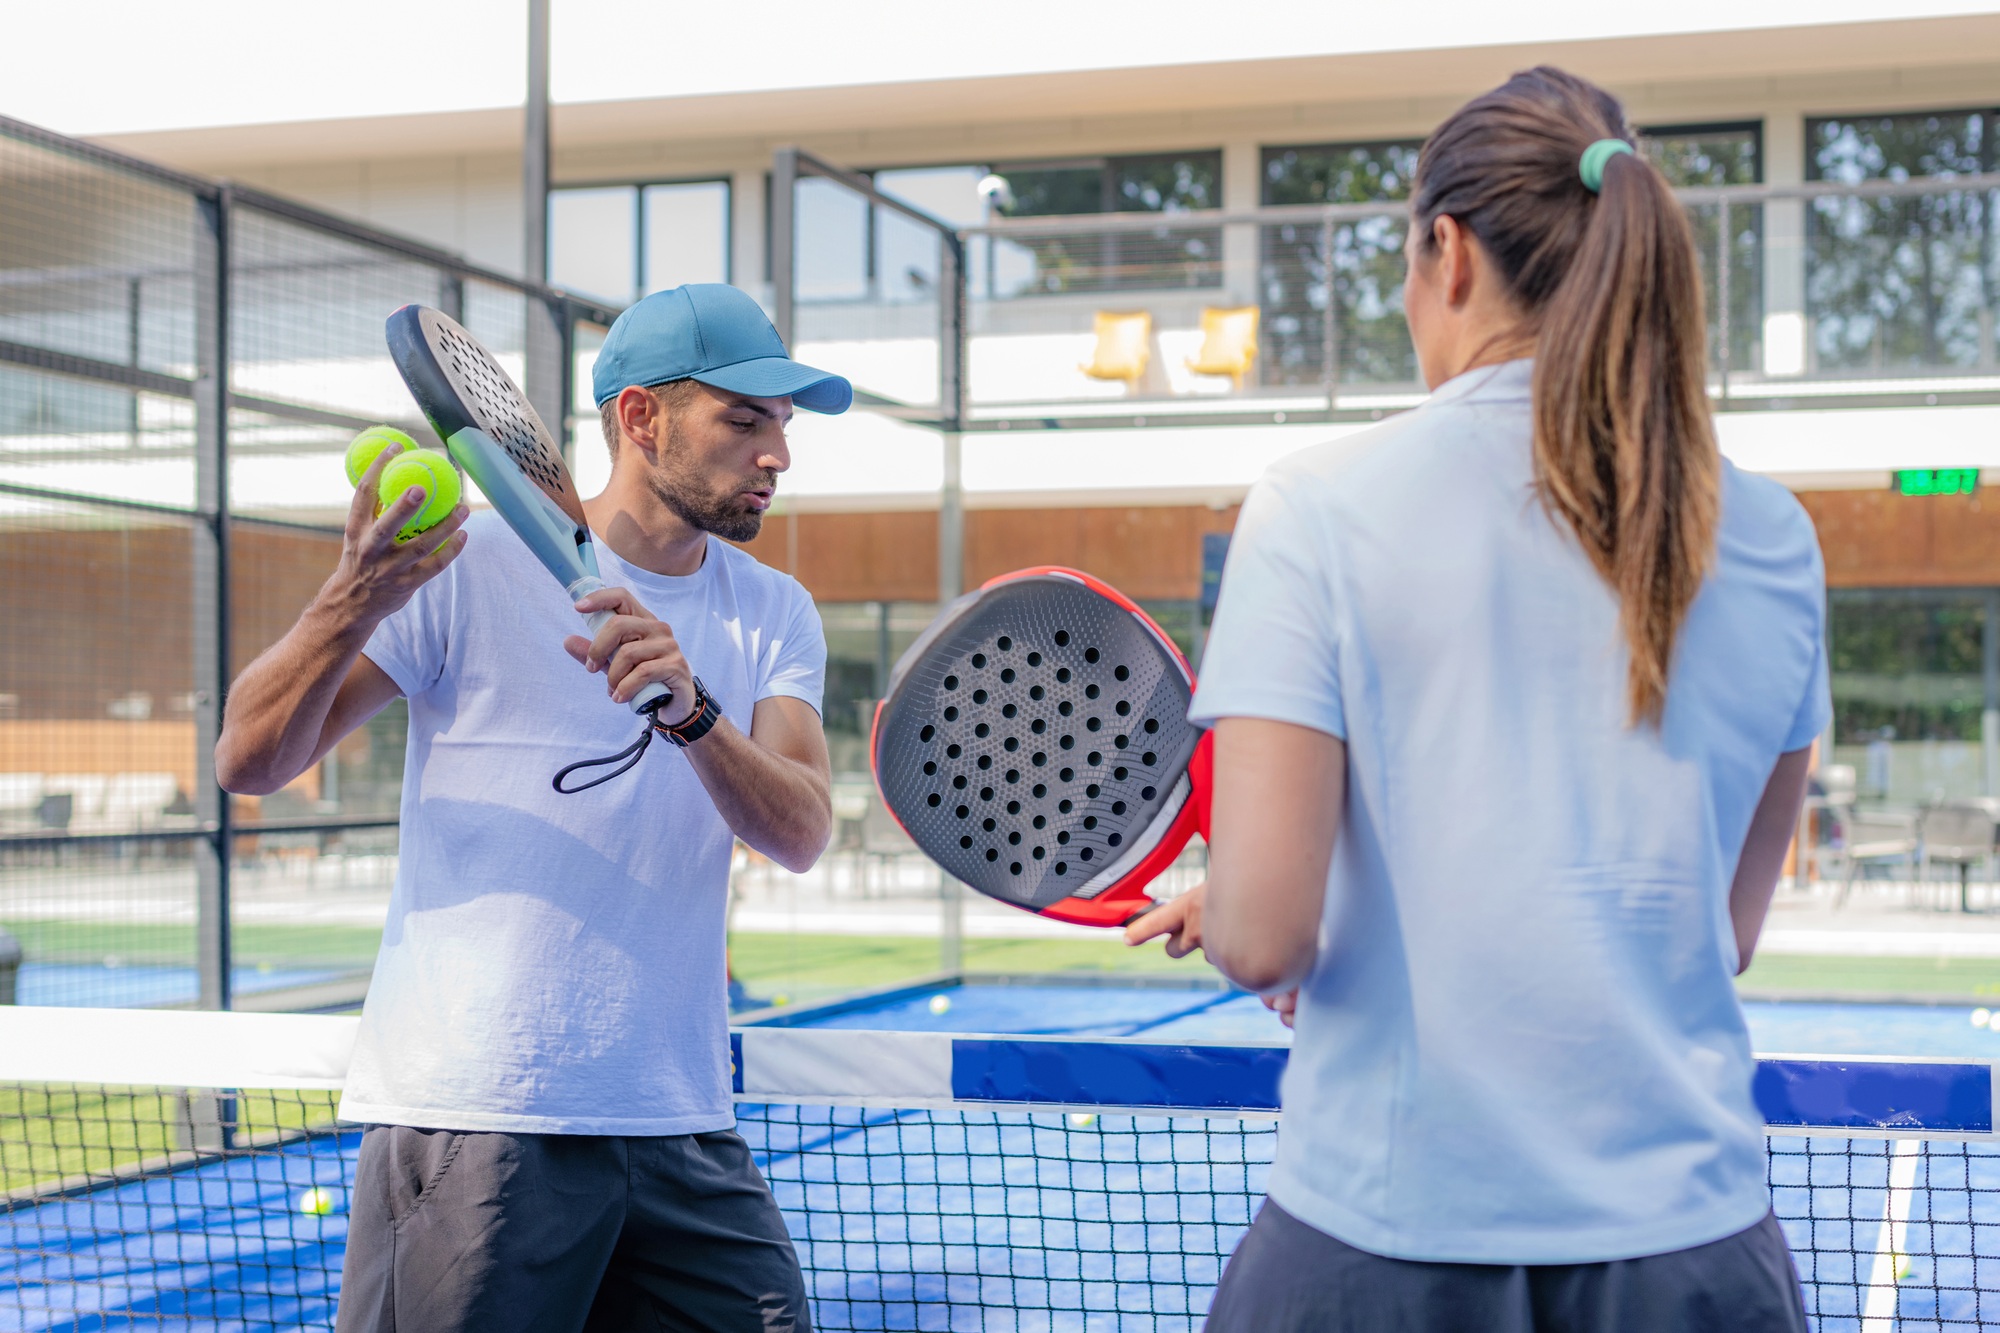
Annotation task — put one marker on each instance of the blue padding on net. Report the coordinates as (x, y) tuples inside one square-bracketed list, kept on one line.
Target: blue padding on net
[(1860, 1094), (1117, 1074)]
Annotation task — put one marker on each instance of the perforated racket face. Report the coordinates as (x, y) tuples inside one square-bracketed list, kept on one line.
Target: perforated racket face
[(1035, 741), (477, 391)]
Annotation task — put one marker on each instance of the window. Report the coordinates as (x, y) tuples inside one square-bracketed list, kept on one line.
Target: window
[(621, 242), (1901, 283), (1909, 688), (1698, 155), (1367, 340), (1097, 261)]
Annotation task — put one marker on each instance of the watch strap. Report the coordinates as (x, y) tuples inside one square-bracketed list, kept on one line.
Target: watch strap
[(698, 723)]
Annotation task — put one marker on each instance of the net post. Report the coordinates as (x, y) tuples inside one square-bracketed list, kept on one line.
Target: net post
[(210, 535), (535, 150)]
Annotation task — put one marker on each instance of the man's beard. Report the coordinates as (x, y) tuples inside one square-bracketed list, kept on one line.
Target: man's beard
[(679, 487)]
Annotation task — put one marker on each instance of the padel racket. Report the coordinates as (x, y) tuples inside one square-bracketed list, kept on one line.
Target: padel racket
[(1035, 744), (495, 434)]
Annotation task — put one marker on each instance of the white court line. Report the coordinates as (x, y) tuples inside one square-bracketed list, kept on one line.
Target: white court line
[(1892, 1248)]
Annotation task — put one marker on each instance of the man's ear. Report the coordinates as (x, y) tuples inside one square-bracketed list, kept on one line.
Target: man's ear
[(640, 419)]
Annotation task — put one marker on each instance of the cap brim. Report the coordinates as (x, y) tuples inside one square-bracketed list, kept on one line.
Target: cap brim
[(782, 377)]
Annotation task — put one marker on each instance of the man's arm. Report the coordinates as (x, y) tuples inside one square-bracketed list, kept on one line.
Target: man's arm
[(774, 787), (301, 695)]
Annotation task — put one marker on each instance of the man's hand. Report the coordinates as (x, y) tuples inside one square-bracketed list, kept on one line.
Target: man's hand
[(1179, 919), (633, 650), (376, 575)]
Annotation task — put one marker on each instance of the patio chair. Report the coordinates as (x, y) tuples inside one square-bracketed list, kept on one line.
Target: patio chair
[(1958, 834), (1228, 343), (1124, 347), (1875, 838)]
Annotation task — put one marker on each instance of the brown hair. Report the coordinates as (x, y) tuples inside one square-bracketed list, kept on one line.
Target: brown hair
[(673, 395), (1609, 284)]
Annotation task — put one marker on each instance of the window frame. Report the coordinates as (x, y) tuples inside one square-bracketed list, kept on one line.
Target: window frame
[(1694, 129), (638, 188)]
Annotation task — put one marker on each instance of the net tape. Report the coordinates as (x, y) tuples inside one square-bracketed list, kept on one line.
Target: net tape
[(929, 1181)]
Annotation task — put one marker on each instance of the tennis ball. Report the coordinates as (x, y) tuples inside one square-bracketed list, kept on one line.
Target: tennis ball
[(318, 1202), (361, 452), (431, 470), (940, 1004)]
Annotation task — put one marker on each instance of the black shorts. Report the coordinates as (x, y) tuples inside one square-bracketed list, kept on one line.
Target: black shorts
[(557, 1232), (1287, 1277)]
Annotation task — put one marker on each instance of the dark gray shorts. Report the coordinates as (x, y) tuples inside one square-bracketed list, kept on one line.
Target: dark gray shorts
[(1287, 1277), (560, 1233)]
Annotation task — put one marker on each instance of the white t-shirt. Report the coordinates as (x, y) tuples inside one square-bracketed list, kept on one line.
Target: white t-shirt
[(554, 964), (1521, 1041)]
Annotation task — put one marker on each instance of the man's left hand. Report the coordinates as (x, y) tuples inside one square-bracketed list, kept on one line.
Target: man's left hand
[(633, 650)]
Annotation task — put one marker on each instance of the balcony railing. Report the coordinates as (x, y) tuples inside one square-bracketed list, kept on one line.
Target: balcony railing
[(1836, 293)]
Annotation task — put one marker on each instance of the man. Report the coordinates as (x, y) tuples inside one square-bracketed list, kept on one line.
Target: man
[(543, 1059)]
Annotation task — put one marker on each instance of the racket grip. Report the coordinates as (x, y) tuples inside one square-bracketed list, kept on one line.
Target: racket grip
[(655, 696)]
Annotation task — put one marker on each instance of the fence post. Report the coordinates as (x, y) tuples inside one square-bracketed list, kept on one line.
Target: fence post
[(951, 521), (211, 591)]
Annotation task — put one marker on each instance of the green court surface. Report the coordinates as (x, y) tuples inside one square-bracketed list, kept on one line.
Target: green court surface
[(137, 942), (1868, 977)]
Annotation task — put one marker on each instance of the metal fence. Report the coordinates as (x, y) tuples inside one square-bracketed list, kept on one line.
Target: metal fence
[(182, 363)]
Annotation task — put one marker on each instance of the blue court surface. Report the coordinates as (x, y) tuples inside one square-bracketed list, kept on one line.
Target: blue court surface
[(147, 985), (1183, 1013), (1000, 1219)]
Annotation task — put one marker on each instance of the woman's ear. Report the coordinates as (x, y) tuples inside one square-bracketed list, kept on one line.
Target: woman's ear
[(1452, 246)]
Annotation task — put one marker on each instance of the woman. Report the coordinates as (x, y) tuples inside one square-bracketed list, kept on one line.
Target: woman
[(1512, 700)]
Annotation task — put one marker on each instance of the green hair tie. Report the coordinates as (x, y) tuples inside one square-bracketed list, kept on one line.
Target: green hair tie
[(1594, 158)]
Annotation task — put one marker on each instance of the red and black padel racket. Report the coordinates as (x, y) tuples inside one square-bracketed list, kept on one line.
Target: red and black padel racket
[(1035, 744)]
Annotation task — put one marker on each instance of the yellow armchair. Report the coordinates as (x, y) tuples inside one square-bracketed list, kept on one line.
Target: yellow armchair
[(1228, 343), (1124, 346)]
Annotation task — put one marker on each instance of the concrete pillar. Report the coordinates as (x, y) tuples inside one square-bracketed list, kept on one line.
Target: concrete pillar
[(1242, 190), (1786, 350), (748, 267)]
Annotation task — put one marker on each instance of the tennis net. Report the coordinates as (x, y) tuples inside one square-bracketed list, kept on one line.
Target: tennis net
[(176, 1170)]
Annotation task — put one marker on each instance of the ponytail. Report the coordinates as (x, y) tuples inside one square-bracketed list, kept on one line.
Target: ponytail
[(1624, 450)]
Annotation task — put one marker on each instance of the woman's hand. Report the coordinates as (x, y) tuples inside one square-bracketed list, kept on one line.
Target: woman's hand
[(1285, 1005), (1179, 919)]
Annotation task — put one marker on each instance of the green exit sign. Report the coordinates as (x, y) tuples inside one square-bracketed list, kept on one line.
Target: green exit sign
[(1937, 480)]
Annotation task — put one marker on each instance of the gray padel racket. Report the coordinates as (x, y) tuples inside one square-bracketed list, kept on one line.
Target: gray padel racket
[(495, 434), (1035, 744)]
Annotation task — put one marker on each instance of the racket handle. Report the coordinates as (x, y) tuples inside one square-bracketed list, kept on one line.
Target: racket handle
[(655, 696)]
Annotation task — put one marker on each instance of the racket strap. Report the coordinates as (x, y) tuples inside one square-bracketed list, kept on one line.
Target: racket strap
[(631, 754), (692, 728)]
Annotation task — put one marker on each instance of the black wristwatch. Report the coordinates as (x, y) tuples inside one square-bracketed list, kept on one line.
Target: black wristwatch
[(699, 722)]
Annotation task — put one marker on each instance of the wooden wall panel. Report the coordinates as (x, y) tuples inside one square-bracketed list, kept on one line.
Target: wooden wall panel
[(1878, 539), (881, 557), (1150, 553)]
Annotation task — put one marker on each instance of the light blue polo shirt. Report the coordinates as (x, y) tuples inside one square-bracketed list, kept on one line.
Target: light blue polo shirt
[(1520, 1042)]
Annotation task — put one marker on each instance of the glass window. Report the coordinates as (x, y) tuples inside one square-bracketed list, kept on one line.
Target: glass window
[(592, 241), (1368, 341), (685, 234), (1908, 690), (1698, 155), (1901, 283), (1093, 261), (619, 242), (833, 239), (906, 252)]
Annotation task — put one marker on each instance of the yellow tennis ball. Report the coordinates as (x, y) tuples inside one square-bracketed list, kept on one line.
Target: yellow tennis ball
[(318, 1202), (361, 453), (431, 470)]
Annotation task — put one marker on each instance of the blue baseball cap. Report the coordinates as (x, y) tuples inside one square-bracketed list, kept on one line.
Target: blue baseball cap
[(711, 332)]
